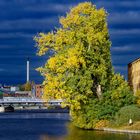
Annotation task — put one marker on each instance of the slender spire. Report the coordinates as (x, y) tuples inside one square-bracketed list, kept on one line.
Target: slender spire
[(28, 67)]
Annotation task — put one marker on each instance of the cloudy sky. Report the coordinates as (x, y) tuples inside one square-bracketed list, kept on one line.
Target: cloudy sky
[(21, 20)]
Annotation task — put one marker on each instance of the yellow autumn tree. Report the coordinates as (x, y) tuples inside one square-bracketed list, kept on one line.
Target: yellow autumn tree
[(80, 63), (83, 30)]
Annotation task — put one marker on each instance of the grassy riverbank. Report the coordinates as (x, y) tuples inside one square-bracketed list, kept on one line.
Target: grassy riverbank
[(134, 126), (126, 128)]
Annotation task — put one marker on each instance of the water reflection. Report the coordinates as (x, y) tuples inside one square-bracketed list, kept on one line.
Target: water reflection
[(52, 138), (78, 134), (30, 125), (30, 115)]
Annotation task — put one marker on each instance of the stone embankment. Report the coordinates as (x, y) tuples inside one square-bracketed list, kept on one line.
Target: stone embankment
[(120, 130)]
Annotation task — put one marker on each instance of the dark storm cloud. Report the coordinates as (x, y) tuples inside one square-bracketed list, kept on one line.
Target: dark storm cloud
[(28, 23), (21, 20)]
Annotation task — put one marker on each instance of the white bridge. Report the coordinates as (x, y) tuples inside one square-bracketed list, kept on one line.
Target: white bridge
[(27, 101)]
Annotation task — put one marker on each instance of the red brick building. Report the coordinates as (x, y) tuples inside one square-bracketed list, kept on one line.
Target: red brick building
[(38, 90)]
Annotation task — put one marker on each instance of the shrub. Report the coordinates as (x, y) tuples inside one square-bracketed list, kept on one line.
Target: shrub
[(126, 113), (101, 124), (104, 109), (138, 97)]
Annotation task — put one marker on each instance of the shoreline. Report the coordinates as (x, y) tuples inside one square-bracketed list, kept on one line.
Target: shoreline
[(118, 130), (46, 110), (105, 129)]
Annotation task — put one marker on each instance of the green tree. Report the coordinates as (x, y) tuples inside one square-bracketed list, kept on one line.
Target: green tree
[(21, 87), (27, 86), (80, 70), (81, 59), (1, 95)]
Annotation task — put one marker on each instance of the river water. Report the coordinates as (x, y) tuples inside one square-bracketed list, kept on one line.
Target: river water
[(38, 125)]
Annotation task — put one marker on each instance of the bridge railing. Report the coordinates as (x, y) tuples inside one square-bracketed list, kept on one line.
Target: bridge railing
[(28, 100), (19, 99)]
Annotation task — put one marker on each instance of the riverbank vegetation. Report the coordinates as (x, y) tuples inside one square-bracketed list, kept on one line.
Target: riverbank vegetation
[(134, 126), (80, 71)]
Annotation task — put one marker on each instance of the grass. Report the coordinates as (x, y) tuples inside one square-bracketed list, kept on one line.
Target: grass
[(134, 126)]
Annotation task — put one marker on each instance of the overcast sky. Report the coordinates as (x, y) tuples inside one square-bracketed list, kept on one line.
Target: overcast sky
[(21, 20)]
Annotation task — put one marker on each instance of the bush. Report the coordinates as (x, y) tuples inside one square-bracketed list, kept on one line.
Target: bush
[(138, 97), (102, 109), (101, 124), (126, 113)]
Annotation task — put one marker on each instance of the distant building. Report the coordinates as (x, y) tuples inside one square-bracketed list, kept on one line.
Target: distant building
[(6, 88), (13, 88), (23, 94), (33, 90), (1, 95), (0, 85), (38, 90), (134, 75)]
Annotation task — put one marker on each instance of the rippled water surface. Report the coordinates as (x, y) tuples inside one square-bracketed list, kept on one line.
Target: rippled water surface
[(38, 125)]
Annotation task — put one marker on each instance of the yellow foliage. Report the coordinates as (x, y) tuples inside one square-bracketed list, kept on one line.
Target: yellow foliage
[(70, 43), (44, 42), (137, 94), (74, 17), (52, 63), (101, 124), (72, 61), (115, 95)]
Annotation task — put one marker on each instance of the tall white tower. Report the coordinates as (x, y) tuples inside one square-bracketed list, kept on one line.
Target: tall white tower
[(28, 63)]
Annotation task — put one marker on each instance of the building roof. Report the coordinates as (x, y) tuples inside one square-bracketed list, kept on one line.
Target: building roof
[(134, 61)]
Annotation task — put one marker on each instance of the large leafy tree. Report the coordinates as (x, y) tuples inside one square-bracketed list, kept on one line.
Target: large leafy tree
[(80, 68), (81, 59)]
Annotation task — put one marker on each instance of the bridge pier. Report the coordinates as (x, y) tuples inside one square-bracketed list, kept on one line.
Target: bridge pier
[(22, 107), (39, 107), (8, 108), (2, 109)]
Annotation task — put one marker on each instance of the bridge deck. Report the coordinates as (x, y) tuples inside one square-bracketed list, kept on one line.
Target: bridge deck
[(20, 100)]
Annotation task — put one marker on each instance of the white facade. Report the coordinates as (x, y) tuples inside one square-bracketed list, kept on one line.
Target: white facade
[(14, 89)]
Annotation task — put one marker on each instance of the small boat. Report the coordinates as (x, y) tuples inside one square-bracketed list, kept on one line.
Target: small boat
[(9, 108)]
